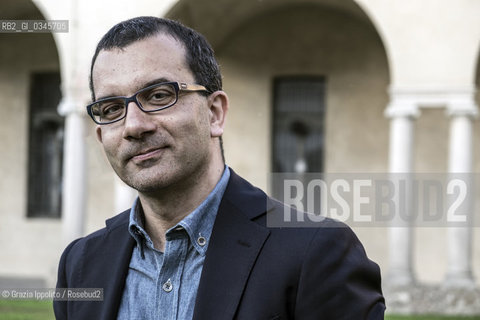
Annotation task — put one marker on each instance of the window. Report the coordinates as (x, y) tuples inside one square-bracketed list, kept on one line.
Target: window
[(45, 147), (298, 124)]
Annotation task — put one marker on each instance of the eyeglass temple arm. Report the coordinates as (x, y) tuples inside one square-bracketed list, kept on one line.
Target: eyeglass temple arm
[(191, 87)]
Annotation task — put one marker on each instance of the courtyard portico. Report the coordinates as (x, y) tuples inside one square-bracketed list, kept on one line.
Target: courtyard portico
[(386, 87)]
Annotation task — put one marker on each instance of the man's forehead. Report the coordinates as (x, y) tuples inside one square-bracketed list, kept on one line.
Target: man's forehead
[(157, 56), (147, 48)]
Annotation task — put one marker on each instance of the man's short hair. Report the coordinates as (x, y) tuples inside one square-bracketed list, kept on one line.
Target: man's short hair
[(199, 54)]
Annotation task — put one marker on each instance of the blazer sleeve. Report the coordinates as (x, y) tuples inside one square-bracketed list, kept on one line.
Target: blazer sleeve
[(337, 280), (60, 307)]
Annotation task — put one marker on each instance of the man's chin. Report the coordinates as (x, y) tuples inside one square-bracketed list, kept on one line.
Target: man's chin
[(148, 182)]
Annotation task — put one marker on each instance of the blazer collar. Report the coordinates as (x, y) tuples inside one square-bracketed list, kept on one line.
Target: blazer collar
[(234, 246), (249, 200)]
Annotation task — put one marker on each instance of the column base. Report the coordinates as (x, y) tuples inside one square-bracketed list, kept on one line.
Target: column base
[(400, 278), (432, 299), (463, 279)]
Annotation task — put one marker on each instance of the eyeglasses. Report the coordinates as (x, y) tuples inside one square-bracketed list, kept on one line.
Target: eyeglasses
[(150, 99)]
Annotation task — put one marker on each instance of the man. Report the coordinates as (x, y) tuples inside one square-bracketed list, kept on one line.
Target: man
[(196, 243)]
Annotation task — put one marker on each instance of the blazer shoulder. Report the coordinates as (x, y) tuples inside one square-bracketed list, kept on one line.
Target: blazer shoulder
[(283, 217), (336, 260), (76, 249)]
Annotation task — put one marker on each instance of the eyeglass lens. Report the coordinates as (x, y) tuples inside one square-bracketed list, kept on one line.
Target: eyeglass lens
[(150, 99)]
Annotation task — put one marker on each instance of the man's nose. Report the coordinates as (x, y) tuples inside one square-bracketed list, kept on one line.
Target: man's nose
[(137, 123)]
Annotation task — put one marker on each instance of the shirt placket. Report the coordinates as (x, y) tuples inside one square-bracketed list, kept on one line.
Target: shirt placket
[(170, 275)]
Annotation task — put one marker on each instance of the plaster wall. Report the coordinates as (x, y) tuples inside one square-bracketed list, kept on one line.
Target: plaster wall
[(430, 43)]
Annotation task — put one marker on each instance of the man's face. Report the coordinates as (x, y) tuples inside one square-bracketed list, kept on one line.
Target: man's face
[(155, 150)]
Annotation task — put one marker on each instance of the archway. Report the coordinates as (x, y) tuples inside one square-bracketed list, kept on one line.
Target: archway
[(31, 132)]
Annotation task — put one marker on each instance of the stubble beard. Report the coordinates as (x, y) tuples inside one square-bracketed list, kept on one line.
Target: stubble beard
[(164, 177)]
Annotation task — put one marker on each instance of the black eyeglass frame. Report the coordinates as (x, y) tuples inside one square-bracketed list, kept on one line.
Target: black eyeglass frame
[(178, 86)]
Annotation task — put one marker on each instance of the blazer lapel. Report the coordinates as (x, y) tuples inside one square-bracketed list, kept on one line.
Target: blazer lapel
[(234, 246)]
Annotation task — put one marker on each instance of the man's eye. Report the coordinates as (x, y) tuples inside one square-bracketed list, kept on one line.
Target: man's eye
[(111, 110), (160, 97)]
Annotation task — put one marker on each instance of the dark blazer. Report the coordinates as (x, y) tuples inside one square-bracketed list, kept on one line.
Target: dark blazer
[(250, 271)]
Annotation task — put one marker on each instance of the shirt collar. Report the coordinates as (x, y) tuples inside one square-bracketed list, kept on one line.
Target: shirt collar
[(198, 224), (136, 227)]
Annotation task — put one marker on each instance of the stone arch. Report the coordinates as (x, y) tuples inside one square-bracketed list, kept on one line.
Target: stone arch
[(23, 56), (335, 39)]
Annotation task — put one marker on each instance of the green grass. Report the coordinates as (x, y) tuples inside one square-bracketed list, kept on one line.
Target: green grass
[(26, 310), (42, 310), (430, 317)]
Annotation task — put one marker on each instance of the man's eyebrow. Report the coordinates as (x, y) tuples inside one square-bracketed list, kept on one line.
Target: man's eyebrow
[(152, 82), (143, 85)]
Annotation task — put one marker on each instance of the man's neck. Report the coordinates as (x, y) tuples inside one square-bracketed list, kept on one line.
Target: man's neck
[(164, 211)]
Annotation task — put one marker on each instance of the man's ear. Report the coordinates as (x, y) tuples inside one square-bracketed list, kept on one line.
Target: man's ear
[(218, 104), (98, 131)]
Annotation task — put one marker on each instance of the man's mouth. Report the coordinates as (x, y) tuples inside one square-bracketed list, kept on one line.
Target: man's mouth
[(148, 154)]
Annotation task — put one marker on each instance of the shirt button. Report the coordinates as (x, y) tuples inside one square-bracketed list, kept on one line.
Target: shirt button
[(167, 286), (201, 241)]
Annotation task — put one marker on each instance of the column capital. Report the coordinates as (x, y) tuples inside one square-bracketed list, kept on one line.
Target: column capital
[(68, 106), (402, 107), (462, 106), (409, 100), (75, 97)]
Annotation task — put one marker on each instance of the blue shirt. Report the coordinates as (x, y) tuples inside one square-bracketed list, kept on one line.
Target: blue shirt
[(163, 285)]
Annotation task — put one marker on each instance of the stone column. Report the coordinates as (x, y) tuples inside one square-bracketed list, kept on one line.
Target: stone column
[(124, 196), (74, 169), (402, 114), (459, 245)]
